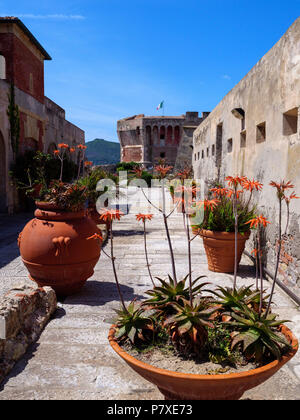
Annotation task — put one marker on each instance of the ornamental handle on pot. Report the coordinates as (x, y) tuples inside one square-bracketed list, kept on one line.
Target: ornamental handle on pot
[(61, 243)]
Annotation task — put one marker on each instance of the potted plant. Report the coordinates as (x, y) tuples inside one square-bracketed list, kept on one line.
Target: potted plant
[(224, 227), (90, 181), (54, 245), (237, 342)]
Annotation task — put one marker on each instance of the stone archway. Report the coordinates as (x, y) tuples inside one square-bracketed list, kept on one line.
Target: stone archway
[(3, 206)]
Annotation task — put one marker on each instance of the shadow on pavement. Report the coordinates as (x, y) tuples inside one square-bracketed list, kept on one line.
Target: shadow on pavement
[(10, 227), (98, 293)]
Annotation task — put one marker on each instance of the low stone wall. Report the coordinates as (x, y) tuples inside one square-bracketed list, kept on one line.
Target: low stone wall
[(24, 311)]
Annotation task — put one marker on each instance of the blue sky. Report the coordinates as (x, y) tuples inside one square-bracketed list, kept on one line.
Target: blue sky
[(115, 58)]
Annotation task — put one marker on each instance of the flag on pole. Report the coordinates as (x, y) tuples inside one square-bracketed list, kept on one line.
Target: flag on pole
[(160, 106)]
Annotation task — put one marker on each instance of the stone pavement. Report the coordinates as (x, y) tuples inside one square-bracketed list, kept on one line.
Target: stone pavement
[(72, 358)]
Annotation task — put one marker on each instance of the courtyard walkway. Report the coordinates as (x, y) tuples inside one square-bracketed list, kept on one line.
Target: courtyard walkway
[(72, 358)]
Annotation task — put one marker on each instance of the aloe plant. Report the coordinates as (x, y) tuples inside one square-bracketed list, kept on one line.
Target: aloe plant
[(169, 292), (188, 326), (231, 298), (258, 336), (134, 323)]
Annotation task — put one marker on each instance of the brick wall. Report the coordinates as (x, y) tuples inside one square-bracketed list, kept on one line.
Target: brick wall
[(20, 64)]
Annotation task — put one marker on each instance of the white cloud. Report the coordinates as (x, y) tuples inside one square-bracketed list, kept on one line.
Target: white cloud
[(226, 77), (54, 16)]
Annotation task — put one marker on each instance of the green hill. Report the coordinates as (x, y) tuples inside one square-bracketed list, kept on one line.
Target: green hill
[(103, 152)]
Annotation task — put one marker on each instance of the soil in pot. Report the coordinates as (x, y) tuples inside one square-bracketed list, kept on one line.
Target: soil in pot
[(165, 356), (216, 385)]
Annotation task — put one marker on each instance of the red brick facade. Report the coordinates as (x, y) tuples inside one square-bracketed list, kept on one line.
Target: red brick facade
[(23, 67)]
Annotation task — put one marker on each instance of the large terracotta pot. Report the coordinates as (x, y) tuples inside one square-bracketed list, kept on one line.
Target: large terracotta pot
[(54, 247), (183, 386), (219, 248), (95, 216)]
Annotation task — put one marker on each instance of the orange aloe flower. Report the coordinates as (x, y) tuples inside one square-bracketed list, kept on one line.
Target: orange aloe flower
[(110, 215), (249, 185), (96, 236), (88, 163), (56, 152), (258, 221), (143, 217), (291, 197), (208, 204), (185, 173), (219, 192), (281, 187), (235, 181), (63, 146), (72, 149), (138, 171), (81, 146), (256, 252), (163, 170), (231, 192)]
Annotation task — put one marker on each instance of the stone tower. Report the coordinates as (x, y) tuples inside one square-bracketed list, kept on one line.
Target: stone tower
[(147, 139)]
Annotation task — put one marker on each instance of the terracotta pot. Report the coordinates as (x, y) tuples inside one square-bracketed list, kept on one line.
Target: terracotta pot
[(95, 216), (55, 249), (183, 386), (219, 248), (195, 230)]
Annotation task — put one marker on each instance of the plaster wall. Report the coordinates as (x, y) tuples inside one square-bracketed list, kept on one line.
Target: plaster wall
[(225, 145)]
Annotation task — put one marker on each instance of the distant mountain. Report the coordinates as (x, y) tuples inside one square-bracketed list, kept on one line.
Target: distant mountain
[(103, 152)]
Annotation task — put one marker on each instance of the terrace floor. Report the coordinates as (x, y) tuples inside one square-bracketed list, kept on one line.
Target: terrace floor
[(72, 360)]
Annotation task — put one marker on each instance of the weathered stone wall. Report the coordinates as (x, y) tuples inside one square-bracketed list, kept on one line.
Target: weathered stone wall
[(265, 145), (24, 311), (59, 130)]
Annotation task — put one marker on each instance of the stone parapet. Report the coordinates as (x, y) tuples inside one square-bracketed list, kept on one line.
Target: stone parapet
[(24, 312)]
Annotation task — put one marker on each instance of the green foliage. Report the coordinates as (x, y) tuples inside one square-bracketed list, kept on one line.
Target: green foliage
[(221, 218), (130, 167), (134, 323), (219, 346), (169, 292), (127, 166), (90, 182), (67, 197), (37, 168), (230, 298), (13, 114), (258, 336)]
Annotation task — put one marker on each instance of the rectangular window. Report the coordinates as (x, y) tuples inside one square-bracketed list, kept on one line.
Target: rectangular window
[(229, 146), (261, 133), (243, 139), (207, 152), (202, 154), (290, 122), (213, 150)]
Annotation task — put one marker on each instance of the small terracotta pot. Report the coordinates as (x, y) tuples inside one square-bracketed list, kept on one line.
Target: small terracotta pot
[(219, 248), (56, 251), (183, 386)]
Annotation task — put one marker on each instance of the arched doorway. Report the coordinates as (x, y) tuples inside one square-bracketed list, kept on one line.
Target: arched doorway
[(3, 206)]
